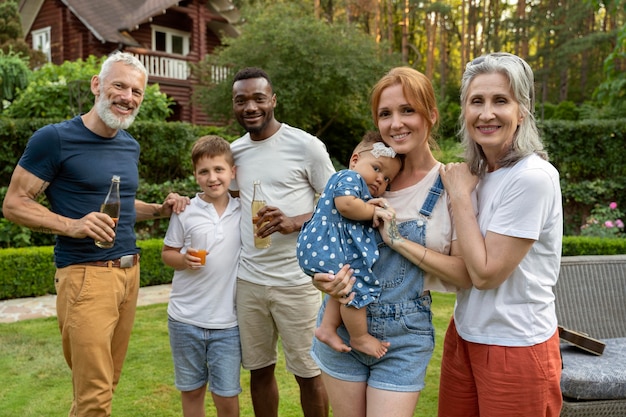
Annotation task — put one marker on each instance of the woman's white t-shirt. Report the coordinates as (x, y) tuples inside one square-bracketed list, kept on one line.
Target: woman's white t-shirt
[(522, 201)]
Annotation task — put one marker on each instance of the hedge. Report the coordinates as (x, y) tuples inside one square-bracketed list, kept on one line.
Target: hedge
[(29, 272)]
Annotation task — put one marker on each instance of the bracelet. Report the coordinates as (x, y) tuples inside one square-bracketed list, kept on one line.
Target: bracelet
[(423, 256)]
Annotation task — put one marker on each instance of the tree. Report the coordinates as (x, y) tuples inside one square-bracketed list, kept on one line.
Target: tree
[(14, 74), (321, 72), (11, 36), (612, 92)]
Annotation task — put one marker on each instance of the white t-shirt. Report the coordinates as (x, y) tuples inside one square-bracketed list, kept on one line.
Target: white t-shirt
[(523, 201), (292, 166), (205, 297), (439, 230)]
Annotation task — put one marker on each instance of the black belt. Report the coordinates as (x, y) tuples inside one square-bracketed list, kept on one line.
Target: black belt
[(126, 261)]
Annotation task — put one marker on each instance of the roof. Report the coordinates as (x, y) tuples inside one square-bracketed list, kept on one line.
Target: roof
[(98, 16)]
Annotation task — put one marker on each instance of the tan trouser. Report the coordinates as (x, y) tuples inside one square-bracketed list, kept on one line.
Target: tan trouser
[(96, 310)]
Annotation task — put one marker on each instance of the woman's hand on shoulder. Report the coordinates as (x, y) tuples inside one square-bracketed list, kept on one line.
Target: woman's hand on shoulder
[(457, 179), (337, 285)]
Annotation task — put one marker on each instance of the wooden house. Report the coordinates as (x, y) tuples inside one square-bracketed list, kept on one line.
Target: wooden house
[(165, 35)]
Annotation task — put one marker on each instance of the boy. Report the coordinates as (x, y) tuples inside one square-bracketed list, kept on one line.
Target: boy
[(202, 323)]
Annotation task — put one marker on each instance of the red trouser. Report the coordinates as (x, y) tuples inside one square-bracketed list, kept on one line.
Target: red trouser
[(96, 311), (496, 381)]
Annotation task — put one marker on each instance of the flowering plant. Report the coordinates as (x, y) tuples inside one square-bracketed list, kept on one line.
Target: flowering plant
[(604, 221)]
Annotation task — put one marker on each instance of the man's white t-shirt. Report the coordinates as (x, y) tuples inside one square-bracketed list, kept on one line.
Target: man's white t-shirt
[(292, 166)]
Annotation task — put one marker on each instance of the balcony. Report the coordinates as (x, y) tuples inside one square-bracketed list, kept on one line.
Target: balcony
[(163, 65)]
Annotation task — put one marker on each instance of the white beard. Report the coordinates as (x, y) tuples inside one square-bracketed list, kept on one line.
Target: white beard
[(104, 111)]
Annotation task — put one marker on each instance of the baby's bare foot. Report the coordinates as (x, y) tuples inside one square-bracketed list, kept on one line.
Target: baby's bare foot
[(369, 345), (332, 339)]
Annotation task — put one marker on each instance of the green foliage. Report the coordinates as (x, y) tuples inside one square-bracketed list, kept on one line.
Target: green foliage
[(612, 91), (545, 111), (590, 157), (166, 148), (10, 26), (595, 111), (450, 150), (153, 270), (566, 110), (587, 245), (449, 112), (36, 272), (157, 193), (12, 37), (14, 74), (36, 269), (63, 91), (321, 72), (604, 221)]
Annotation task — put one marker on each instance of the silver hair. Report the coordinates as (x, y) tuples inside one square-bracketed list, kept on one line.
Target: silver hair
[(526, 139), (125, 58)]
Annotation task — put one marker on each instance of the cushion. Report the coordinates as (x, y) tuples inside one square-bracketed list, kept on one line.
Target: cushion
[(589, 377)]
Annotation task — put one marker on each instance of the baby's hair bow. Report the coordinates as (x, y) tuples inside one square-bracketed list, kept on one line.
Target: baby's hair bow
[(379, 149)]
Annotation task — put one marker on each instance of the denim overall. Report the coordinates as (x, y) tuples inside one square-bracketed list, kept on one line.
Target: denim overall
[(401, 316)]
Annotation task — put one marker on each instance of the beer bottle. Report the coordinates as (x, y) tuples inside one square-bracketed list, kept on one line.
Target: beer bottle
[(111, 206)]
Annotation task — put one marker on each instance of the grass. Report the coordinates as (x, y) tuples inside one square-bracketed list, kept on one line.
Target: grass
[(36, 380)]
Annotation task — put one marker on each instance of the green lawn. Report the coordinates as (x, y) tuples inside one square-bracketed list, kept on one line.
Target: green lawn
[(36, 381)]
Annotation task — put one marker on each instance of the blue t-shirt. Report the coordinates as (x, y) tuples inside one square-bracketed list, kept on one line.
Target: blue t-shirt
[(79, 166)]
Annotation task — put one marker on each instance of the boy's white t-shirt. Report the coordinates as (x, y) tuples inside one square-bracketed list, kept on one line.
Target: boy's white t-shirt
[(522, 201), (205, 297)]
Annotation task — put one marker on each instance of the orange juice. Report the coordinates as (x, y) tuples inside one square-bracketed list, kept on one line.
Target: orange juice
[(199, 253)]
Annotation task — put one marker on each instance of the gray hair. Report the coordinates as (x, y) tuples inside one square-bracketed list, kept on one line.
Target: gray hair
[(125, 58), (526, 139)]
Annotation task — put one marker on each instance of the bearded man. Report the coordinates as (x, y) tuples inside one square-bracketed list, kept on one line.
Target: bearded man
[(72, 163)]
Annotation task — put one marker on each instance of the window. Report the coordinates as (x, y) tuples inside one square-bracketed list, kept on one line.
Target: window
[(169, 40), (41, 41)]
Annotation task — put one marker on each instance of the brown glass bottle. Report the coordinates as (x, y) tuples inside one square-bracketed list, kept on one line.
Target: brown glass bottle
[(111, 206), (258, 201)]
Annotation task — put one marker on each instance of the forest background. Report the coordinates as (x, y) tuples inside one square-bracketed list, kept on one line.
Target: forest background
[(324, 56)]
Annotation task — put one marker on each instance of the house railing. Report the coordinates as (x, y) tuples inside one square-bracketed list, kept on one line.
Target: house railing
[(162, 66)]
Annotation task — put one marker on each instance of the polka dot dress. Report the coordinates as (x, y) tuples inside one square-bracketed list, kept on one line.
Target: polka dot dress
[(328, 241)]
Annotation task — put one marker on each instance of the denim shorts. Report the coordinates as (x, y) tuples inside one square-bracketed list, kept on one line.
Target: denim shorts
[(205, 356), (407, 326)]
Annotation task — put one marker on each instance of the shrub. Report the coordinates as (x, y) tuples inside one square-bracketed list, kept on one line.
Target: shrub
[(29, 272), (604, 221), (586, 245)]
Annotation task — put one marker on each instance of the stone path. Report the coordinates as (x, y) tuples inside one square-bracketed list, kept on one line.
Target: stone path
[(45, 306)]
